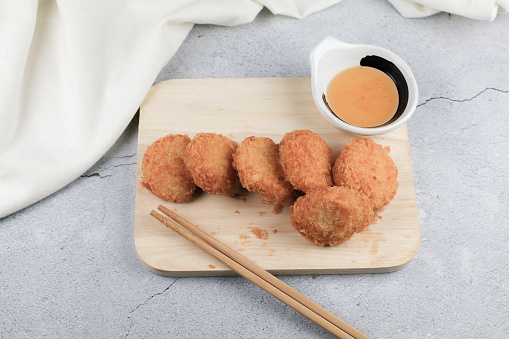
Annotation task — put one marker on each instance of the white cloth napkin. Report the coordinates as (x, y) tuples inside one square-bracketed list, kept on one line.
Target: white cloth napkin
[(74, 72), (473, 9)]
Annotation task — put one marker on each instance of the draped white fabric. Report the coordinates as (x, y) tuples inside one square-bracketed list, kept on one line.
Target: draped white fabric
[(473, 9)]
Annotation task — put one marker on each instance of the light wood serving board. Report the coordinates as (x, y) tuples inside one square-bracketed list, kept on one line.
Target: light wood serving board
[(270, 107)]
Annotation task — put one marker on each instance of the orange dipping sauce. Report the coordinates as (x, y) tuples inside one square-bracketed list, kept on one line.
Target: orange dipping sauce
[(363, 96)]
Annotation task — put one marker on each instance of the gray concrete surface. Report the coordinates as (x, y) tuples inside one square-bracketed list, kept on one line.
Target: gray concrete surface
[(69, 268)]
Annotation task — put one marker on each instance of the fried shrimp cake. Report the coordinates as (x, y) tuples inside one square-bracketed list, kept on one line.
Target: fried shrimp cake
[(164, 171), (306, 160), (209, 158), (257, 163), (331, 216), (367, 167)]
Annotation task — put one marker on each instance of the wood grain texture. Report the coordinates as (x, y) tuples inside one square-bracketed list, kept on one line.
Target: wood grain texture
[(270, 107)]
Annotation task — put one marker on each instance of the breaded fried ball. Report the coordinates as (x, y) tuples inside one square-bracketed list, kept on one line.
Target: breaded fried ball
[(331, 216), (367, 167), (164, 172), (257, 163), (306, 160), (209, 158)]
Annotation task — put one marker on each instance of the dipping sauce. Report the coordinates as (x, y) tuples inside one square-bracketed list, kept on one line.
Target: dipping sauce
[(363, 96)]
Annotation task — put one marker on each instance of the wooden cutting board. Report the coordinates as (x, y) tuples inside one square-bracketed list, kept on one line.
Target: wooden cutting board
[(270, 107)]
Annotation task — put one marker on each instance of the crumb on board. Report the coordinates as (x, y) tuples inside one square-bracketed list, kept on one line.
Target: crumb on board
[(238, 196), (274, 230), (260, 233), (243, 236), (277, 208), (262, 213), (314, 277), (212, 266), (236, 211)]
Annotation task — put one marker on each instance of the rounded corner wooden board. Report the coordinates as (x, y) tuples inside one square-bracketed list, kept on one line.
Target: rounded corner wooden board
[(270, 107)]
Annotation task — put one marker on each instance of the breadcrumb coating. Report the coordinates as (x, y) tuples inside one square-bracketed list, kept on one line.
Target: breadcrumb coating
[(164, 171), (367, 167), (331, 216), (209, 158), (306, 160), (257, 163)]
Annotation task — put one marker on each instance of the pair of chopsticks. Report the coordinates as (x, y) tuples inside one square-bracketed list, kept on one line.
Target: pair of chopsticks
[(258, 275)]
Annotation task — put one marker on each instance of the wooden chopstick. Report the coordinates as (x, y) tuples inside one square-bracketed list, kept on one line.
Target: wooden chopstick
[(258, 275)]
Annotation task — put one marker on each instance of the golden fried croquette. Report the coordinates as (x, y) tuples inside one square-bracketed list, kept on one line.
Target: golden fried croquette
[(330, 216), (164, 172), (306, 160), (209, 158), (257, 163), (367, 167)]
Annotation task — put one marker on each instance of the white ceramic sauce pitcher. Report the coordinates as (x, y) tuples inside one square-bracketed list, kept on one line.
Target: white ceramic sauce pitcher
[(331, 56)]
